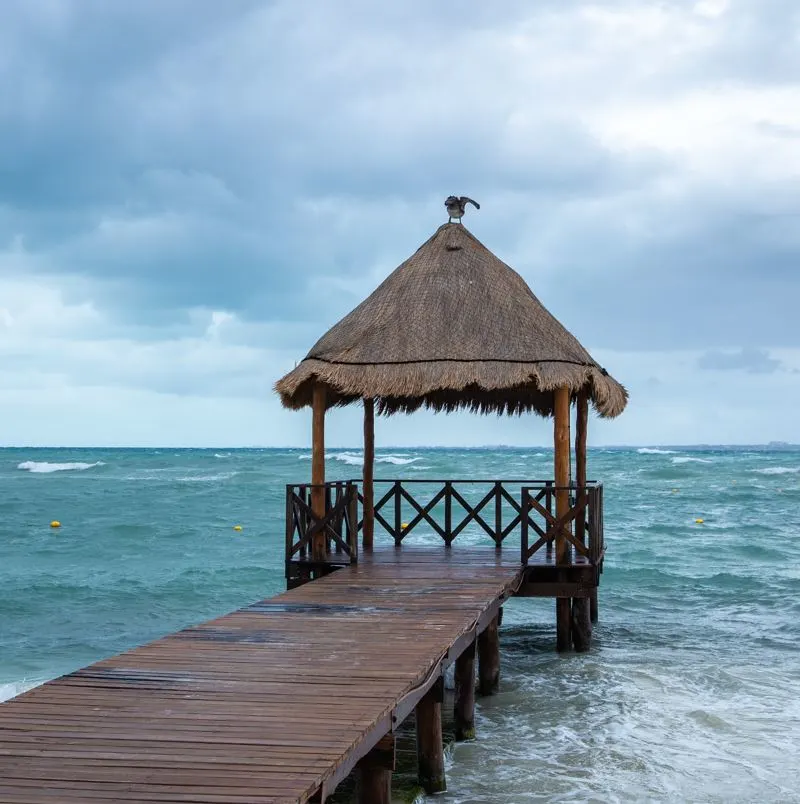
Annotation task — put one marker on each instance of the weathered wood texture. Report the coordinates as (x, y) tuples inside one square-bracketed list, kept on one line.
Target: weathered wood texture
[(489, 658), (276, 702), (374, 773), (464, 698), (430, 747)]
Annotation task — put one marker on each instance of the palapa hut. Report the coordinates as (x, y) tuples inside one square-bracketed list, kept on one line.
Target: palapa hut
[(452, 327)]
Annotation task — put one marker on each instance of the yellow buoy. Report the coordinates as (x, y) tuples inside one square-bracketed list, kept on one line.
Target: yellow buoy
[(403, 525), (237, 527), (55, 524), (675, 491), (699, 521)]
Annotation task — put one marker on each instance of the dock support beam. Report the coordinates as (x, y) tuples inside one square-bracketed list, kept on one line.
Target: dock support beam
[(430, 748), (464, 701), (318, 467), (489, 657), (374, 774), (593, 605), (369, 470), (561, 460)]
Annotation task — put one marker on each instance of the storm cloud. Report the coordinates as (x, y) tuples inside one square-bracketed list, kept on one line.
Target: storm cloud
[(192, 191)]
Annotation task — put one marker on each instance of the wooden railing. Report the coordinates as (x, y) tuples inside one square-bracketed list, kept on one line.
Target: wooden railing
[(581, 526), (445, 508), (328, 539)]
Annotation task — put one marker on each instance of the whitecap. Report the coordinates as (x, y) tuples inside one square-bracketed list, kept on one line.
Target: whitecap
[(350, 458), (655, 451), (778, 470), (206, 478), (45, 467), (397, 460), (222, 455), (683, 459)]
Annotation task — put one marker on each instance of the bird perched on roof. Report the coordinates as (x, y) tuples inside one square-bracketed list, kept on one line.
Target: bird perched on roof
[(457, 206)]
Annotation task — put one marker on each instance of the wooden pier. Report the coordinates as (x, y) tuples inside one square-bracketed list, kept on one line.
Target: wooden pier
[(277, 702)]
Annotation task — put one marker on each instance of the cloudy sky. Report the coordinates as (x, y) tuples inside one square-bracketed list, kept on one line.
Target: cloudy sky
[(192, 191)]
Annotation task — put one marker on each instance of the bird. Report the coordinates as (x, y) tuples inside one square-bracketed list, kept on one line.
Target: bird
[(457, 205)]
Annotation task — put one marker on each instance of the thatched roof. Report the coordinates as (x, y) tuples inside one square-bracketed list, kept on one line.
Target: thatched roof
[(452, 327)]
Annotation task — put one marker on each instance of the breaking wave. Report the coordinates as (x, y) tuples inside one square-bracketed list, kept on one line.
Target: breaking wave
[(778, 470), (45, 467), (654, 451), (683, 459)]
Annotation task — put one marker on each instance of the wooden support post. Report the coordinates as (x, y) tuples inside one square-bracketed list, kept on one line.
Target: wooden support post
[(593, 608), (374, 773), (430, 748), (318, 467), (581, 422), (581, 613), (581, 624), (561, 459), (369, 474), (464, 700), (489, 658)]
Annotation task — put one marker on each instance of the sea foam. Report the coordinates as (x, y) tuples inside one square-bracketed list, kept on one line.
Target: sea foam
[(683, 459), (778, 470), (45, 467), (654, 451)]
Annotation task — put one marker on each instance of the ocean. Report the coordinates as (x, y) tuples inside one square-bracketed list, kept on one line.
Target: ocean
[(691, 691)]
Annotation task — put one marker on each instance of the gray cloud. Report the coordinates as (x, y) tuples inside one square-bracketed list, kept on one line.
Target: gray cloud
[(161, 160), (754, 361)]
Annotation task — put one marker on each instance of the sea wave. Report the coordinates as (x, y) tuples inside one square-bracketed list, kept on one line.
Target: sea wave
[(655, 451), (778, 470), (45, 467), (222, 455), (206, 478), (357, 459), (685, 459)]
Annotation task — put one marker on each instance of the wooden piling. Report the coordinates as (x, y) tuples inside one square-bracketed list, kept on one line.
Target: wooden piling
[(593, 607), (318, 467), (464, 700), (581, 624), (374, 773), (561, 461), (489, 658), (430, 748), (369, 474)]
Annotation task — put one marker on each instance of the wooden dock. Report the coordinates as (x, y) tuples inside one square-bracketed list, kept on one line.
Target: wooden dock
[(276, 702)]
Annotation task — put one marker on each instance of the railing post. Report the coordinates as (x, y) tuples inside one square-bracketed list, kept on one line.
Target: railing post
[(289, 528), (448, 513), (498, 513), (352, 521), (303, 520), (524, 523), (398, 516)]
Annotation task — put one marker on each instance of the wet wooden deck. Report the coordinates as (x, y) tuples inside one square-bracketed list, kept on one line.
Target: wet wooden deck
[(275, 702)]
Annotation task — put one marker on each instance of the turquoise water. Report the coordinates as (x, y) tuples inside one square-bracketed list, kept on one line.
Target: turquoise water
[(691, 692)]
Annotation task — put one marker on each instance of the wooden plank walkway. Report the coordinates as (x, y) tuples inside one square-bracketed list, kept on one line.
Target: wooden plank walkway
[(275, 702)]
